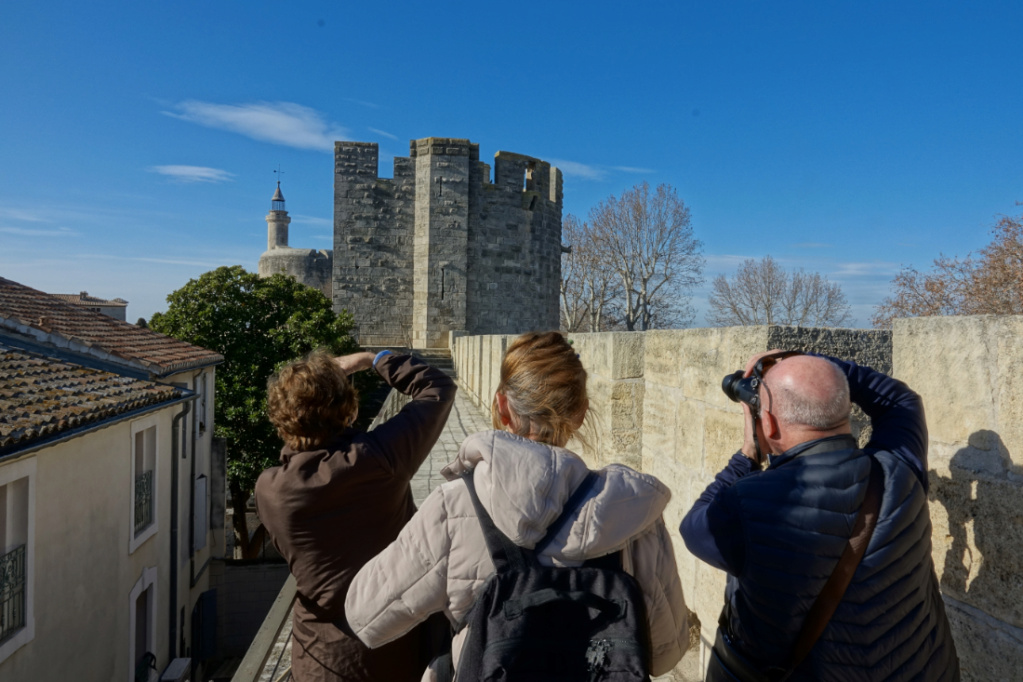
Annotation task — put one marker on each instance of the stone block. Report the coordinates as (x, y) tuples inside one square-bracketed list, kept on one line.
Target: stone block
[(723, 432), (660, 419), (988, 649), (691, 433), (952, 364), (1008, 333), (662, 358), (978, 536)]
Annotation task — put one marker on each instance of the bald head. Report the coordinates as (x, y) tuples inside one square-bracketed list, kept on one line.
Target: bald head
[(809, 393)]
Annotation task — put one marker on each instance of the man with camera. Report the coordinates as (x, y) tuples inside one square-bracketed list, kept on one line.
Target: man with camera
[(827, 546)]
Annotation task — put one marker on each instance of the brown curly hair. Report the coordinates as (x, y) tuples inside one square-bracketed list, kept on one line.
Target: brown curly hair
[(311, 400), (545, 384)]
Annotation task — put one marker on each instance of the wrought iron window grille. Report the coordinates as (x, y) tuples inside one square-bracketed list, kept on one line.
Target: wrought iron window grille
[(12, 592), (143, 501)]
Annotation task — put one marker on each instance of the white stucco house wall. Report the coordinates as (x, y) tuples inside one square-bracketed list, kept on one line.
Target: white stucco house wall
[(109, 492)]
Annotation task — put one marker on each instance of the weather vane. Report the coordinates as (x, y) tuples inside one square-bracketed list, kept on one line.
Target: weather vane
[(278, 172)]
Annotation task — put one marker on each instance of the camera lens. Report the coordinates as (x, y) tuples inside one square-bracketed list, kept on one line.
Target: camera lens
[(730, 383), (740, 389)]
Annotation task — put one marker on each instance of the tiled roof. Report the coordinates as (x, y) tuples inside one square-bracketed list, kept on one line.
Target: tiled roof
[(41, 397), (85, 299), (27, 311)]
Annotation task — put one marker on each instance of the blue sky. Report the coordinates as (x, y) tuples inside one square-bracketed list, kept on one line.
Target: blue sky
[(139, 139)]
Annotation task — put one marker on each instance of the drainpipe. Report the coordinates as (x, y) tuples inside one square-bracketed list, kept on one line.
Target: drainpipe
[(191, 494), (175, 439)]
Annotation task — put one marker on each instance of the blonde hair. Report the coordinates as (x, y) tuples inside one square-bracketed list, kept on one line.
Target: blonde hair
[(310, 400), (545, 385)]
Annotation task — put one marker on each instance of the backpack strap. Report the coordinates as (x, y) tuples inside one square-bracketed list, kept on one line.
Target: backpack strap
[(568, 511), (505, 554)]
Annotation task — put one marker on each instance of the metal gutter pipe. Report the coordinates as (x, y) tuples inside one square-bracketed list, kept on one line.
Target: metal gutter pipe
[(173, 610)]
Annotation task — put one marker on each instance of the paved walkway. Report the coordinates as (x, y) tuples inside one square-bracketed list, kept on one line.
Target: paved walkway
[(465, 420)]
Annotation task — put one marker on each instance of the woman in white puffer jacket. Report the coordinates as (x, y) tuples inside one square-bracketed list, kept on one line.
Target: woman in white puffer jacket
[(440, 560)]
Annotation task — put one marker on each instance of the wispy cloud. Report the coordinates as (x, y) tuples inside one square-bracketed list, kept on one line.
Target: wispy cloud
[(715, 263), (363, 103), (311, 220), (383, 133), (873, 268), (283, 123), (590, 171), (192, 173), (28, 216), (41, 232), (633, 169), (579, 170), (165, 261)]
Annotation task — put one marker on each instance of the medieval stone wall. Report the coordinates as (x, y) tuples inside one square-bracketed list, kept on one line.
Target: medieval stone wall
[(373, 241), (656, 404), (440, 247)]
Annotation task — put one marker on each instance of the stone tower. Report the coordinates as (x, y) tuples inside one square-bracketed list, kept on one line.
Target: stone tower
[(277, 222), (441, 247), (308, 266)]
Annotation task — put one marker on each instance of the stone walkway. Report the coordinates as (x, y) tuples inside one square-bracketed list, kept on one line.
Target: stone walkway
[(465, 419)]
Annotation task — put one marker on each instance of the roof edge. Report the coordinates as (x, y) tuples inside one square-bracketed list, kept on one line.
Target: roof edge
[(15, 452)]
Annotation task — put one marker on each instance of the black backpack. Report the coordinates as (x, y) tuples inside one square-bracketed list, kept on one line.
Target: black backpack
[(538, 623)]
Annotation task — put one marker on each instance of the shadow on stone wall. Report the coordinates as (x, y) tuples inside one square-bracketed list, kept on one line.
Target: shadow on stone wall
[(985, 520), (981, 568)]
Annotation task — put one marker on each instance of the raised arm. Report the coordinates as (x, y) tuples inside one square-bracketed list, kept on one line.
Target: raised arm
[(408, 437), (712, 529), (896, 415)]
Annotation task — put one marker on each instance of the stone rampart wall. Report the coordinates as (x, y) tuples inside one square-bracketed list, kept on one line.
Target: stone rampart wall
[(656, 404)]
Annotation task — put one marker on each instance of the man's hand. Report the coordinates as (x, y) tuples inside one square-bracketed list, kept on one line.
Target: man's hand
[(356, 362)]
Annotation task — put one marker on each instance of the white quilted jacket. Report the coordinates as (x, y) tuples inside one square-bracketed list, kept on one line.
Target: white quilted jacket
[(440, 561)]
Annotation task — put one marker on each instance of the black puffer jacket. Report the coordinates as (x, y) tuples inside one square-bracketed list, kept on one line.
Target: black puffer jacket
[(779, 533), (891, 624)]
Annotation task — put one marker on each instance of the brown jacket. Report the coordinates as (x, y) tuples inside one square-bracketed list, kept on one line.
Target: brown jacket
[(329, 511)]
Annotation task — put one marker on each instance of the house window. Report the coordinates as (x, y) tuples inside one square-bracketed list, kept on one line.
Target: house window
[(143, 482), (17, 521), (202, 505), (202, 410)]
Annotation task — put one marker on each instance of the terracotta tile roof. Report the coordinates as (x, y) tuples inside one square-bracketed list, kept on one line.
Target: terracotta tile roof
[(41, 397), (85, 299), (48, 319)]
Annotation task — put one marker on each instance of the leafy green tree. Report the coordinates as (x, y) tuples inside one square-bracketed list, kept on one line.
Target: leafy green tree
[(257, 324)]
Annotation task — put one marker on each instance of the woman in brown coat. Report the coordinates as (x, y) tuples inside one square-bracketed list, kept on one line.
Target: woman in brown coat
[(340, 496)]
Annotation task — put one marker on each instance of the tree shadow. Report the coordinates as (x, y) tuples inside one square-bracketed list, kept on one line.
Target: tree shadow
[(985, 526)]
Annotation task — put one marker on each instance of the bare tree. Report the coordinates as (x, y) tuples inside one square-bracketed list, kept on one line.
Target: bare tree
[(990, 283), (647, 240), (589, 287), (763, 292)]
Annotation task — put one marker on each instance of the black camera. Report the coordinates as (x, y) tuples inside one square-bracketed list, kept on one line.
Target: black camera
[(742, 389)]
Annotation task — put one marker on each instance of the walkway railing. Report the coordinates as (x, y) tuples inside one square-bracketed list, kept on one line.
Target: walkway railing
[(268, 648)]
